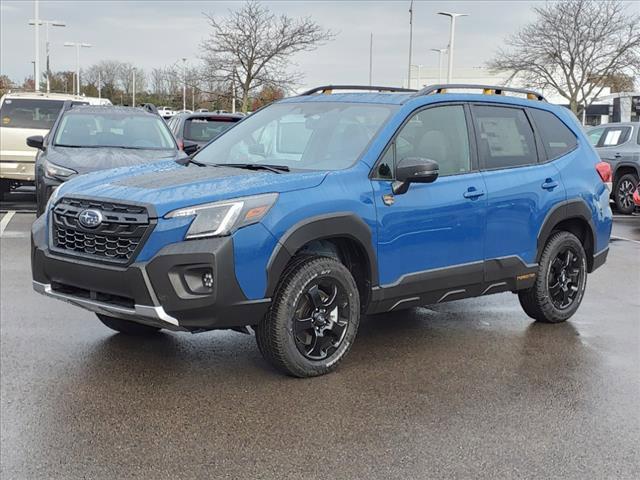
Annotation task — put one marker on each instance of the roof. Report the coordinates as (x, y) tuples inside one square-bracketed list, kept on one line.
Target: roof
[(210, 115), (110, 109), (54, 96)]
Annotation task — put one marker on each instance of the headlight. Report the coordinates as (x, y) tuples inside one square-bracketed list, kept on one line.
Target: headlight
[(222, 218), (52, 170)]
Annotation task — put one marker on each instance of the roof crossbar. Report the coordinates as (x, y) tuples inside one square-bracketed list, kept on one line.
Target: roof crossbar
[(487, 89), (326, 89)]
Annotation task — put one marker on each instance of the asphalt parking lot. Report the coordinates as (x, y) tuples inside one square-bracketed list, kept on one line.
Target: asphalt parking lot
[(470, 389)]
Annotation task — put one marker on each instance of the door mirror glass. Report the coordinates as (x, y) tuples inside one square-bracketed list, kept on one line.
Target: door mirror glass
[(414, 170)]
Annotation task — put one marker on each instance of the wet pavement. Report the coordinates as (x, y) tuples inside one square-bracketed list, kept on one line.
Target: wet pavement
[(470, 389)]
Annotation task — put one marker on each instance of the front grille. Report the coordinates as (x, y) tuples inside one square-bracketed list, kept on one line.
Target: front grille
[(115, 240)]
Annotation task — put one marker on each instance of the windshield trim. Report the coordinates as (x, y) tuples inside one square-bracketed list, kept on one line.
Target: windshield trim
[(392, 108)]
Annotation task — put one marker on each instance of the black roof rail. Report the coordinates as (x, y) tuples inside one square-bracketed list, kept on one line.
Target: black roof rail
[(373, 88), (150, 107), (487, 89)]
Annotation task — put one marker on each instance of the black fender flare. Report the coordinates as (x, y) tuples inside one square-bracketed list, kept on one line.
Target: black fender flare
[(566, 210), (338, 224), (625, 164)]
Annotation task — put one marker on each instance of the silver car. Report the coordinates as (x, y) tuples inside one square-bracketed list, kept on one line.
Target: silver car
[(618, 144)]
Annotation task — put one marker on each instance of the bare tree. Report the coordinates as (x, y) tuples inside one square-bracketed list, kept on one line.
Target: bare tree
[(574, 47), (251, 47)]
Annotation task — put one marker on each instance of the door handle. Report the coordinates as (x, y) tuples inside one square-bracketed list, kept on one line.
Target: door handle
[(617, 155), (472, 193), (549, 184)]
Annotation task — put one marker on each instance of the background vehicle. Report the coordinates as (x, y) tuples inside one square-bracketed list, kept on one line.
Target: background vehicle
[(23, 114), (90, 138), (166, 112), (197, 129), (618, 144), (321, 207)]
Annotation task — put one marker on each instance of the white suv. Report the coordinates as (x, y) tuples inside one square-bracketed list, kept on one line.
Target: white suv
[(23, 114)]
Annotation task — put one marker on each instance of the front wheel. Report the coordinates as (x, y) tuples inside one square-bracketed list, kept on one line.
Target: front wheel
[(561, 281), (126, 326), (623, 193), (313, 320)]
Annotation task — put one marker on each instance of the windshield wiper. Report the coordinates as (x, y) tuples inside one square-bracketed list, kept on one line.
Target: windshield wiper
[(256, 166)]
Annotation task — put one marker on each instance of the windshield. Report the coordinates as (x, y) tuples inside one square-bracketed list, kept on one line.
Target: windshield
[(114, 130), (29, 113), (204, 129), (308, 136)]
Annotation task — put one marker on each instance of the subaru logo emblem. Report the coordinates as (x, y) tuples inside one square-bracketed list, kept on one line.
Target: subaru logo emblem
[(90, 218)]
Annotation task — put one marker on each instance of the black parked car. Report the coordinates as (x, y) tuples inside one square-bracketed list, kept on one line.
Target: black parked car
[(89, 138), (194, 130)]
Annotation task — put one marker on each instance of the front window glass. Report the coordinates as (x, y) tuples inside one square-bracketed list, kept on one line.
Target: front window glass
[(306, 135), (204, 129), (113, 130), (29, 113)]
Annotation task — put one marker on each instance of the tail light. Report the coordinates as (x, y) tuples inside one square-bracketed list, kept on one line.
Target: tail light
[(604, 170)]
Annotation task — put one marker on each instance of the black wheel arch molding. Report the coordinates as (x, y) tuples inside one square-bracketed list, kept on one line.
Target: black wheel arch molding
[(322, 227)]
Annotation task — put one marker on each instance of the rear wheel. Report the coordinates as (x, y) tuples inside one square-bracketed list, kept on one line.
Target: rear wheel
[(623, 193), (561, 281), (313, 320), (126, 326)]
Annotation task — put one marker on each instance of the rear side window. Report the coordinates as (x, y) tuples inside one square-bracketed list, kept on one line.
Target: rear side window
[(29, 113), (614, 136), (555, 135), (505, 137)]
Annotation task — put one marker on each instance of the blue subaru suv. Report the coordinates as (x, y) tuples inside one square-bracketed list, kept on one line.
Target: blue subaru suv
[(332, 204)]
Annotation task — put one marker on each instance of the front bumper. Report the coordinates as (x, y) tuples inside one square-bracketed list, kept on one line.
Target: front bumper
[(167, 291)]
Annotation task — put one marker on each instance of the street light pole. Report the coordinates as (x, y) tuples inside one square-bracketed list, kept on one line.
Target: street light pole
[(184, 84), (36, 69), (452, 30), (410, 43), (133, 99), (77, 46), (47, 23), (440, 52)]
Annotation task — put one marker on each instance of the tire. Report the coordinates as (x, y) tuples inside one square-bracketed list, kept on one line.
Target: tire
[(127, 327), (40, 202), (313, 319), (556, 279), (623, 193)]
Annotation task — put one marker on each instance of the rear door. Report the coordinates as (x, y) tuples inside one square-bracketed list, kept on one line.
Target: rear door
[(521, 187)]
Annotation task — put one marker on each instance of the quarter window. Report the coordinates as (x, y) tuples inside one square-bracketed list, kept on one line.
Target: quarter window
[(555, 135), (505, 137)]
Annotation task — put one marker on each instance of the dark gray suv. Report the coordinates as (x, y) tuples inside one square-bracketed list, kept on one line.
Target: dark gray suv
[(618, 144)]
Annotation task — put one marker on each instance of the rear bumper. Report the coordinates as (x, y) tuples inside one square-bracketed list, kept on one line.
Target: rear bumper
[(167, 291), (22, 171)]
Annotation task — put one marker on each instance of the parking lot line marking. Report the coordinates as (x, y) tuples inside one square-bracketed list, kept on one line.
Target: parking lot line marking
[(615, 237), (5, 220)]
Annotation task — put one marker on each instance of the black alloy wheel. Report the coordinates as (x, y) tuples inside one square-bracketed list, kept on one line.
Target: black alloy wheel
[(565, 277), (321, 319), (624, 193)]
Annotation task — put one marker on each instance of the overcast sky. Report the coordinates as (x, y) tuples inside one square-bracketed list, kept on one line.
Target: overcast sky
[(158, 33)]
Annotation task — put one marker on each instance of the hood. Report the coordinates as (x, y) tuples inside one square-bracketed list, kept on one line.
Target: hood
[(170, 185), (85, 160)]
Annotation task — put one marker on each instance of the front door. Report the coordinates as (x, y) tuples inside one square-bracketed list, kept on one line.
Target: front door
[(432, 226)]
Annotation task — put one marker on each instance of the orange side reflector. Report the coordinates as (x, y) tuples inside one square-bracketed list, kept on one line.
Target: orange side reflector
[(327, 92), (255, 212), (532, 96), (487, 91)]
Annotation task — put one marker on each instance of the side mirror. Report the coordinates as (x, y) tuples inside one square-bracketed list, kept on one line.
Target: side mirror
[(190, 147), (414, 170), (36, 141)]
